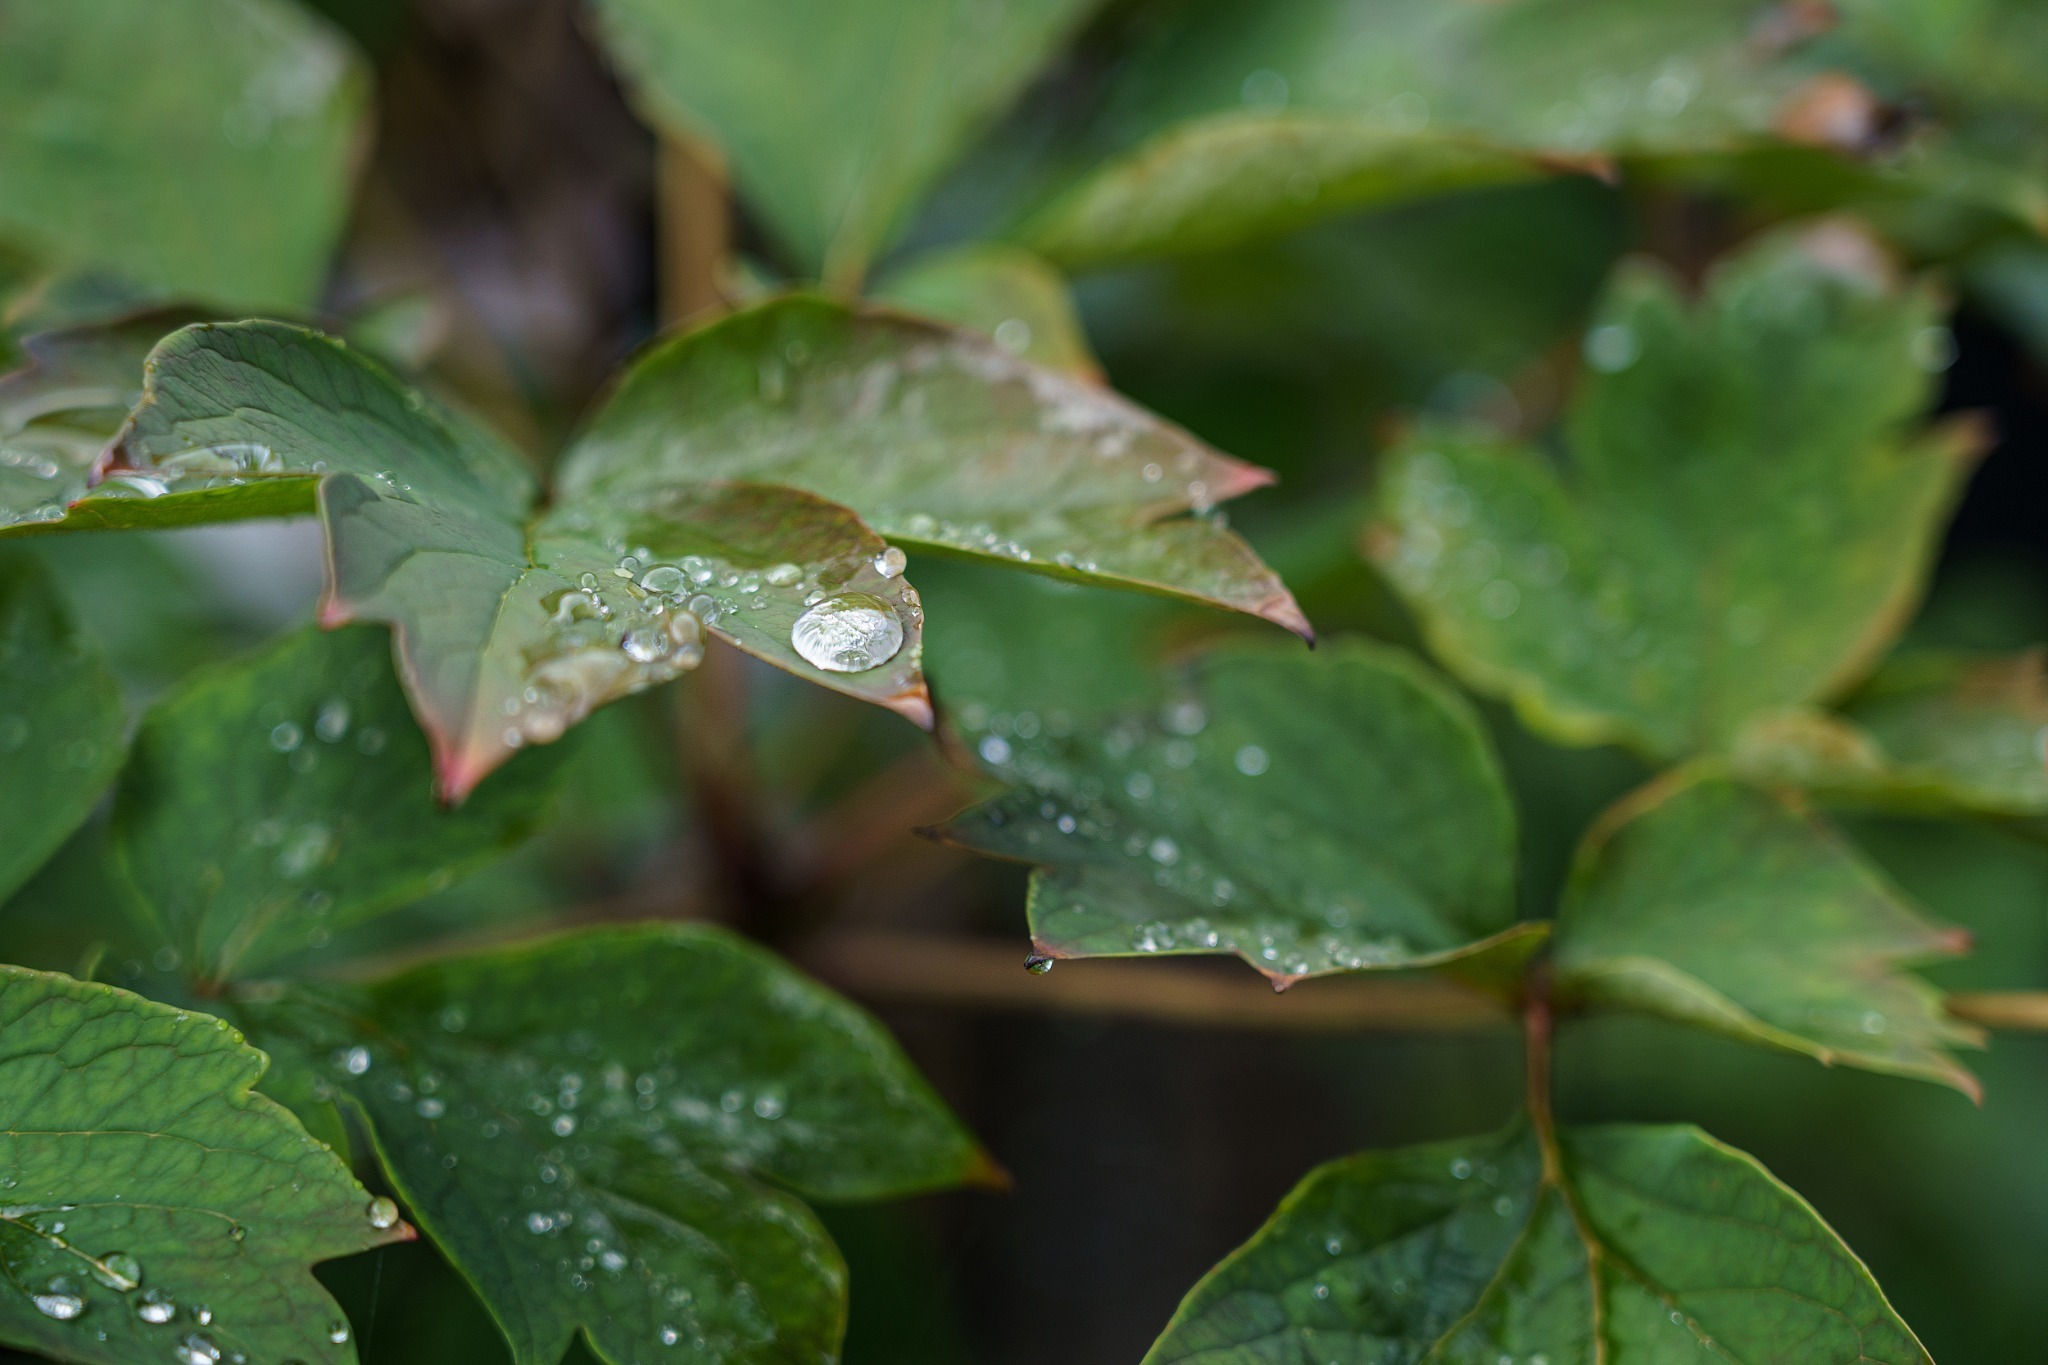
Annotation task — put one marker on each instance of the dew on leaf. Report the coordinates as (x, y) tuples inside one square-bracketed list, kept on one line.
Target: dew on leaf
[(118, 1270), (58, 1303), (382, 1212), (849, 633), (155, 1307)]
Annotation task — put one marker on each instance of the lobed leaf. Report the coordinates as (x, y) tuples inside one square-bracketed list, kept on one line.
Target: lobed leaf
[(835, 114), (1311, 814), (155, 1208), (1707, 902), (198, 148), (276, 800), (1649, 1244), (1742, 523), (598, 1130), (936, 438), (61, 722)]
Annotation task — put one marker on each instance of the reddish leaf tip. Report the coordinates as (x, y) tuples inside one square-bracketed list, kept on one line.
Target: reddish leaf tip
[(914, 706)]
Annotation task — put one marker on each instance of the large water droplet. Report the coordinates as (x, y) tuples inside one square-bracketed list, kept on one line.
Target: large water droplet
[(118, 1270), (663, 578), (850, 633), (53, 1304), (1038, 964), (382, 1212)]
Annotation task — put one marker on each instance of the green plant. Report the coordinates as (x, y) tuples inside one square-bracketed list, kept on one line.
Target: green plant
[(1697, 529)]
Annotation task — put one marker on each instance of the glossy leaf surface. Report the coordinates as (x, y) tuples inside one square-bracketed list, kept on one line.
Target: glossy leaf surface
[(1310, 813), (835, 114), (273, 801), (1742, 522), (1012, 295), (1707, 902), (195, 148), (598, 1130), (937, 438), (1651, 1244), (60, 721), (154, 1204)]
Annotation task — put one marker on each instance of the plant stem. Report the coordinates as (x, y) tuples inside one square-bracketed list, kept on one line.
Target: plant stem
[(696, 226), (1537, 1032)]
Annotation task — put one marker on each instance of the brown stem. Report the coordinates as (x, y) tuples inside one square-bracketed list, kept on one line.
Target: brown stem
[(1537, 1034), (696, 226)]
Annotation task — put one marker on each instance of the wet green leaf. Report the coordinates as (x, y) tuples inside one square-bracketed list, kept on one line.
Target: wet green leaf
[(508, 631), (60, 721), (836, 114), (1931, 732), (1239, 121), (1708, 902), (153, 1203), (1649, 1244), (1310, 813), (939, 439), (1010, 294), (274, 801), (197, 148), (599, 1130), (1743, 521)]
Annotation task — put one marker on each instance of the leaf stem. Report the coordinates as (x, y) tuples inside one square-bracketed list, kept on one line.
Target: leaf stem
[(1538, 1029)]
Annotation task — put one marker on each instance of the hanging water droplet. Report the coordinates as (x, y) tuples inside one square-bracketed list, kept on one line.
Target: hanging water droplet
[(850, 633), (118, 1270), (891, 562), (1038, 964), (382, 1212)]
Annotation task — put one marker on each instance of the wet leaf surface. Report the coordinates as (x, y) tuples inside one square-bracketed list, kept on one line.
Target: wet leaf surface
[(1012, 295), (1708, 902), (1648, 1243), (61, 721), (154, 1205), (623, 1167), (836, 115), (1310, 813), (137, 138), (1742, 521), (275, 801)]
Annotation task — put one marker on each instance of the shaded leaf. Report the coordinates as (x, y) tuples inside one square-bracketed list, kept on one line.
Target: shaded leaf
[(197, 148), (836, 114), (1642, 1244), (937, 438), (594, 1128), (1743, 522), (153, 1202), (507, 632), (1010, 294), (1310, 813), (1239, 121), (277, 800), (60, 721), (1930, 732), (1707, 902)]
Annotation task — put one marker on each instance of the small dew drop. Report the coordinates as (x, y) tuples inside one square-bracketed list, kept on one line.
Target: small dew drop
[(891, 562), (196, 1350), (382, 1212), (1251, 760), (118, 1270), (63, 1307), (994, 749), (337, 1331), (285, 737), (1038, 964), (155, 1307)]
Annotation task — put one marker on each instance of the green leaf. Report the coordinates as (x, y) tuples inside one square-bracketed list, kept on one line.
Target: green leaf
[(277, 800), (60, 721), (1650, 1244), (1708, 902), (1310, 813), (1011, 295), (198, 148), (508, 632), (59, 410), (1240, 121), (154, 1205), (1932, 732), (836, 114), (598, 1130), (1742, 523), (938, 439)]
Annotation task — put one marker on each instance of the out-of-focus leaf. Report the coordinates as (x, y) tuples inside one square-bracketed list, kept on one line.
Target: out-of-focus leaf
[(1310, 813), (1742, 524), (198, 148), (1931, 732), (588, 1126), (1642, 1244), (1708, 902), (937, 438), (1010, 294), (59, 410), (1237, 121), (60, 722), (507, 633), (156, 1209), (836, 114), (274, 801)]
